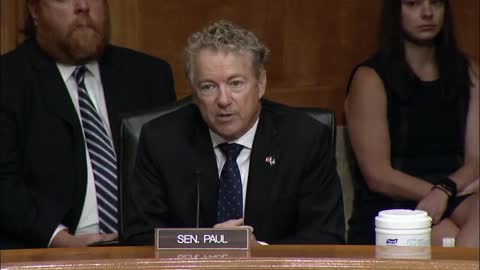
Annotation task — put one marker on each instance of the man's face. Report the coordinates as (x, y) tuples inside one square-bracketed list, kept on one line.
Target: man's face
[(71, 31), (227, 91)]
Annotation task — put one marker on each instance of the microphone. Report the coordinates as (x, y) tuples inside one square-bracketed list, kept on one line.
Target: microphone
[(197, 179)]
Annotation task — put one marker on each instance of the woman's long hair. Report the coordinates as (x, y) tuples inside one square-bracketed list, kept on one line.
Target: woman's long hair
[(452, 63)]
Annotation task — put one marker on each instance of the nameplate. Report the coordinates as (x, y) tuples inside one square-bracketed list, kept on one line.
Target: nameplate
[(202, 238)]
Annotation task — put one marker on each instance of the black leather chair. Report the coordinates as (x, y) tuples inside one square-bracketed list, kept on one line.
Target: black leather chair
[(130, 133), (326, 117)]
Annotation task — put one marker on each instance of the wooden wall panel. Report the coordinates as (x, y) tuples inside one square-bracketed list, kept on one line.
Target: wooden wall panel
[(12, 17), (467, 22), (314, 43)]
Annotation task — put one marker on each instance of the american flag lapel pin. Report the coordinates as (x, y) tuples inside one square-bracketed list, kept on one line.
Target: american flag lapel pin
[(270, 160)]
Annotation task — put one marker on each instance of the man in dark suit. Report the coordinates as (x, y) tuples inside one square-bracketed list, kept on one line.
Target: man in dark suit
[(240, 159), (49, 189)]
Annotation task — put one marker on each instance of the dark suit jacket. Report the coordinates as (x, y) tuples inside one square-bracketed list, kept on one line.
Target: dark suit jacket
[(297, 200), (42, 156)]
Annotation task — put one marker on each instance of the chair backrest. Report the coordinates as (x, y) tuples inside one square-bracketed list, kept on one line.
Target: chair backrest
[(342, 150), (326, 117), (129, 136), (344, 169), (132, 126)]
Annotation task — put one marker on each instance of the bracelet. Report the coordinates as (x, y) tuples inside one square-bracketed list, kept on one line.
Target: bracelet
[(449, 185), (439, 187)]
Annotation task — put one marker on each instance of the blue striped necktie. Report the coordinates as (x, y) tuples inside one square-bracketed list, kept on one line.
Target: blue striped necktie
[(102, 156), (230, 195)]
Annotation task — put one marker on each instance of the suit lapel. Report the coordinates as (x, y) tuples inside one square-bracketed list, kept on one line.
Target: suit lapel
[(54, 91), (264, 156), (205, 169), (261, 172), (115, 93)]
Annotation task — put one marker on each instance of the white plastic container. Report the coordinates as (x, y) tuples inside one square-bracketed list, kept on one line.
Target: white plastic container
[(403, 227)]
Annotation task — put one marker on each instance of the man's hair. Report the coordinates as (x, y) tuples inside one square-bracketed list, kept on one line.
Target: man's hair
[(224, 35)]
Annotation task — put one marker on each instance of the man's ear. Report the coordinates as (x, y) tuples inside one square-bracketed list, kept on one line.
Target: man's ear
[(262, 83), (33, 8)]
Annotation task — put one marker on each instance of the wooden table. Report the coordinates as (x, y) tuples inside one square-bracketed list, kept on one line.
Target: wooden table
[(260, 257)]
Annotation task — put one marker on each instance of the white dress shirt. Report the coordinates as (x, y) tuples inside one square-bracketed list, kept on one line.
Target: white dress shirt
[(88, 223), (243, 159)]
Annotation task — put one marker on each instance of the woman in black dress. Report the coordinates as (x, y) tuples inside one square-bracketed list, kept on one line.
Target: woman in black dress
[(413, 119)]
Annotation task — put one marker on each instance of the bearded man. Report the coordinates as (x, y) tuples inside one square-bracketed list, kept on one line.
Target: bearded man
[(63, 92)]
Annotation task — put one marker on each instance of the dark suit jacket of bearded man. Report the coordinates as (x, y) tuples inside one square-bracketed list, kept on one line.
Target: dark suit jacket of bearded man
[(43, 173)]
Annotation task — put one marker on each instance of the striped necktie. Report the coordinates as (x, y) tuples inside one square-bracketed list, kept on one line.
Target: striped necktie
[(230, 195), (102, 156)]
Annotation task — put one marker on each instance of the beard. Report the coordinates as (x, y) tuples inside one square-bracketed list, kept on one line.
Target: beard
[(84, 40)]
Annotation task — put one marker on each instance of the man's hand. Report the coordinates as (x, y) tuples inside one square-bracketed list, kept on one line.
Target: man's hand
[(64, 239), (236, 223), (435, 204), (230, 224)]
